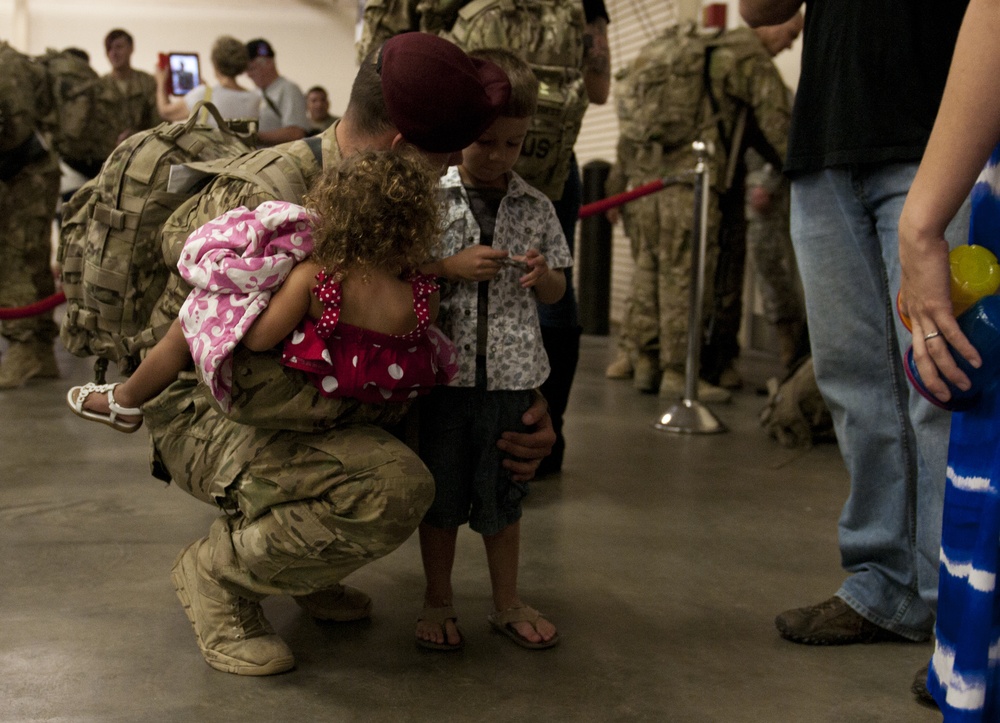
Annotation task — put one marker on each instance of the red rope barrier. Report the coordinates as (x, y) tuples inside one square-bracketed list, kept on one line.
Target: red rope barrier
[(592, 209), (39, 307)]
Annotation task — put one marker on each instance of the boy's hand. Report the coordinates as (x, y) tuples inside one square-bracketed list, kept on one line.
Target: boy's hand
[(538, 268), (476, 263)]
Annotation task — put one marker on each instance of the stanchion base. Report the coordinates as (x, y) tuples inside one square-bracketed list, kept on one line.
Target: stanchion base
[(689, 417)]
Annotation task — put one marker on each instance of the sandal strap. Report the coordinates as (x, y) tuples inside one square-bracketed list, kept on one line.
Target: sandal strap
[(90, 388), (517, 614), (438, 616), (117, 409)]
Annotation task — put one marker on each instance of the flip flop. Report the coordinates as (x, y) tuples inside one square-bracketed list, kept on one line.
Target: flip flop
[(75, 402), (440, 616), (502, 622)]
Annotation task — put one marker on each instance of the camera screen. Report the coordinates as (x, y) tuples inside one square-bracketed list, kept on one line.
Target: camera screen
[(185, 73)]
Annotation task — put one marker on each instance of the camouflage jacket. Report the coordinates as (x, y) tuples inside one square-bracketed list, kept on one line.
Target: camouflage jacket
[(135, 105)]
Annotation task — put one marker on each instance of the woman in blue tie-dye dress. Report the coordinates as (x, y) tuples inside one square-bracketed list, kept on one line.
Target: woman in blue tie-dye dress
[(963, 155)]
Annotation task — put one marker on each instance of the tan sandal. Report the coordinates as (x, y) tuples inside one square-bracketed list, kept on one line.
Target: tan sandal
[(503, 623), (439, 616)]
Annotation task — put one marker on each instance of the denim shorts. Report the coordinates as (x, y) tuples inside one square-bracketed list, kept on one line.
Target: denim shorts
[(459, 429)]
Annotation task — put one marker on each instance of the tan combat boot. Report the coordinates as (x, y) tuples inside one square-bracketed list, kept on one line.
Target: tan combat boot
[(25, 360), (340, 604), (645, 374), (621, 367), (673, 382), (232, 632)]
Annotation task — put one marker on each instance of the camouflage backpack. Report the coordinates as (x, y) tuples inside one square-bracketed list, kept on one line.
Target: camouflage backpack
[(113, 269), (23, 99), (796, 414), (661, 97), (548, 34), (79, 121), (19, 109)]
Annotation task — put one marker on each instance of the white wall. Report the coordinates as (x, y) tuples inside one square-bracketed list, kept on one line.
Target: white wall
[(314, 42)]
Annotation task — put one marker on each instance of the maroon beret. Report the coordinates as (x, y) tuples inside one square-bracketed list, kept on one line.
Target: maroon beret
[(439, 98)]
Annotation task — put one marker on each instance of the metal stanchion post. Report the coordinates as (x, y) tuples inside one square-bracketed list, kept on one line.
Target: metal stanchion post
[(689, 415)]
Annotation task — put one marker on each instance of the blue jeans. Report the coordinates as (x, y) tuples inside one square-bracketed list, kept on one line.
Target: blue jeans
[(894, 443)]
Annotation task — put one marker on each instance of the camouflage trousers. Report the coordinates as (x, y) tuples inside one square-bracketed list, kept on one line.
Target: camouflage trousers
[(27, 209), (662, 231), (626, 342), (303, 509), (770, 246)]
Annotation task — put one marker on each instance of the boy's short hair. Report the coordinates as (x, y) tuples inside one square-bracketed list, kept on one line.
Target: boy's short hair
[(523, 101), (114, 35), (317, 89)]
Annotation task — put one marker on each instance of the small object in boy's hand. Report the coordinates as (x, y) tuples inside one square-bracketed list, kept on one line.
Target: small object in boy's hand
[(515, 264)]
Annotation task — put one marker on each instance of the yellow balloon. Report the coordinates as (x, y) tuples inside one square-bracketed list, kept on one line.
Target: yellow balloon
[(974, 274)]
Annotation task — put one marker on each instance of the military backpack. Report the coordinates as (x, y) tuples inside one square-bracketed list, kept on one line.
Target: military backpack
[(113, 268), (549, 36), (18, 100), (662, 97), (79, 122), (24, 100)]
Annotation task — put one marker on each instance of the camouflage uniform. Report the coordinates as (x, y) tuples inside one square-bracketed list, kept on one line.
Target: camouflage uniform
[(312, 487), (770, 244), (29, 189), (614, 184), (742, 76), (135, 105)]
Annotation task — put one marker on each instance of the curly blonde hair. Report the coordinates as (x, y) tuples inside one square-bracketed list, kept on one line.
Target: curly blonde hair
[(377, 209)]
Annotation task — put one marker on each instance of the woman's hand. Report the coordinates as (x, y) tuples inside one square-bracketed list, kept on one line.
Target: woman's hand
[(925, 298)]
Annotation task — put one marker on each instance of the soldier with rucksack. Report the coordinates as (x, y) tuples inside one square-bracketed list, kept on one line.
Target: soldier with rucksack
[(686, 85), (29, 190), (306, 499)]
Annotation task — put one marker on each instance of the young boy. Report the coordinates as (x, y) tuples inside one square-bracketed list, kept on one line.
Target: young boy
[(502, 250)]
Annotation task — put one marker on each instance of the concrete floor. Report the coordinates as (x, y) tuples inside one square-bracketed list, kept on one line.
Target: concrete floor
[(663, 559)]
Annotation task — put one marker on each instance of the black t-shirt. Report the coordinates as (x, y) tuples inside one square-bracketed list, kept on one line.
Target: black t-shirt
[(873, 72)]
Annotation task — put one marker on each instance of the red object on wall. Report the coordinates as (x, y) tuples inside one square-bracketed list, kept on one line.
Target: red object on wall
[(714, 15)]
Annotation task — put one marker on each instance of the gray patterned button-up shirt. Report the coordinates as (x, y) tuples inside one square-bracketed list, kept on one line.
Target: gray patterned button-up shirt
[(515, 357)]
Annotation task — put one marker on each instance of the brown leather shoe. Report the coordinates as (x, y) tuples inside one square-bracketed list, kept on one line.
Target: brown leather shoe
[(919, 688), (832, 622)]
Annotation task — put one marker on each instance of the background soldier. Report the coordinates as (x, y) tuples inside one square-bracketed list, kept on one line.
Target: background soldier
[(29, 190), (131, 92), (666, 99), (770, 245)]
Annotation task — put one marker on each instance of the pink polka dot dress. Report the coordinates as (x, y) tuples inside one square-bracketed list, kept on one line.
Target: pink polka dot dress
[(347, 361)]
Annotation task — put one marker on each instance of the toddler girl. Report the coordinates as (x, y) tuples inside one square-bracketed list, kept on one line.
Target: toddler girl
[(354, 314)]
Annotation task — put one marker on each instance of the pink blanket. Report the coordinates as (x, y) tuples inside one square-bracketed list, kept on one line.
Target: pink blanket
[(235, 262)]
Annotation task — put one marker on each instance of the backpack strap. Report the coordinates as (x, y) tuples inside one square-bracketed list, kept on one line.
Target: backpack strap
[(208, 99), (315, 144)]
